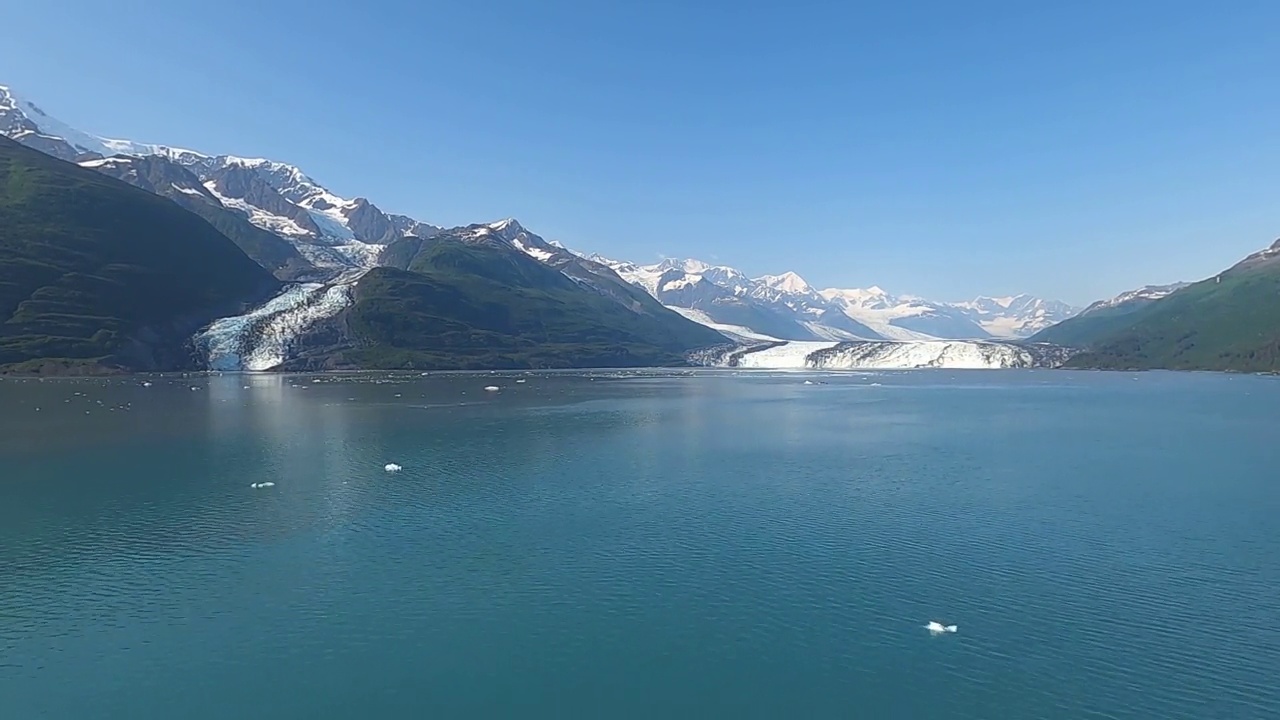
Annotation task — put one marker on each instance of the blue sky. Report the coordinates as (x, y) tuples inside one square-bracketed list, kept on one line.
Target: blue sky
[(946, 149)]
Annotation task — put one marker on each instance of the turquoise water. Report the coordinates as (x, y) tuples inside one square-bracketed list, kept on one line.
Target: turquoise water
[(657, 546)]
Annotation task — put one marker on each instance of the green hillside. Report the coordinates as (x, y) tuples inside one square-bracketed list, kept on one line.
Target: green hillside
[(1228, 322), (461, 305), (96, 274), (1086, 329)]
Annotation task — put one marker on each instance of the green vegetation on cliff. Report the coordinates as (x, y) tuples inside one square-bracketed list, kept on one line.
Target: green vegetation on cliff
[(96, 274), (484, 305), (1228, 322)]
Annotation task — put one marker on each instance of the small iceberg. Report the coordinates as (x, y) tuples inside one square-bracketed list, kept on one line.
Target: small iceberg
[(808, 382), (938, 628), (392, 467), (521, 381), (260, 485), (491, 388)]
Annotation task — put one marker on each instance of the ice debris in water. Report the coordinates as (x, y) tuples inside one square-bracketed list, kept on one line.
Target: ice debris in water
[(938, 628), (491, 388), (258, 485), (521, 381), (392, 467), (146, 384)]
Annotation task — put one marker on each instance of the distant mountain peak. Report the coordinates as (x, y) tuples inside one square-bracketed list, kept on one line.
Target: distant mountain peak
[(788, 282)]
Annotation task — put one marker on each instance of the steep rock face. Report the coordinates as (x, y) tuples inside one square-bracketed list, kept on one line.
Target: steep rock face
[(239, 183), (368, 223), (164, 177), (97, 274)]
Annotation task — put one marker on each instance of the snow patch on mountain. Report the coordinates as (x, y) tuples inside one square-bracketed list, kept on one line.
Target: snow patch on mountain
[(1150, 293), (738, 333)]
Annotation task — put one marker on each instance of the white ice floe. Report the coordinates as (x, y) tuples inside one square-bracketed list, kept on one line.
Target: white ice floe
[(259, 485), (491, 388), (392, 467), (938, 628)]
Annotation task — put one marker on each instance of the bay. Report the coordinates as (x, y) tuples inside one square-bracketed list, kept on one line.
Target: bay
[(641, 544)]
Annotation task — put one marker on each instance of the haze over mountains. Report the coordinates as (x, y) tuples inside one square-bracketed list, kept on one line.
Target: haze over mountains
[(367, 288)]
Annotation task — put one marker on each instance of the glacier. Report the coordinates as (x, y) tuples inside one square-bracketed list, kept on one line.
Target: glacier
[(890, 355), (263, 338)]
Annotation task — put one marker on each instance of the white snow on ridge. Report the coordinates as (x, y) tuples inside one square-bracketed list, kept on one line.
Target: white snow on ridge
[(787, 282), (535, 253), (103, 162), (263, 219)]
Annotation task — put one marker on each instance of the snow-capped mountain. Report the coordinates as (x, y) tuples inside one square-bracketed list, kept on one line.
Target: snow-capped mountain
[(328, 230), (786, 307), (905, 317), (301, 231), (276, 213), (1018, 316), (782, 306), (1142, 295)]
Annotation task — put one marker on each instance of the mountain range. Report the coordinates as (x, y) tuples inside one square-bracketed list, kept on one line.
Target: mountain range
[(786, 307), (359, 287)]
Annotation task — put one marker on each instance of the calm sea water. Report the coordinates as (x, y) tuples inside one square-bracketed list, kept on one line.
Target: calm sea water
[(658, 546)]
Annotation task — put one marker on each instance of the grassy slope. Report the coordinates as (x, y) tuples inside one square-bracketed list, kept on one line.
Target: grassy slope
[(1083, 330), (478, 306), (96, 273), (1229, 325)]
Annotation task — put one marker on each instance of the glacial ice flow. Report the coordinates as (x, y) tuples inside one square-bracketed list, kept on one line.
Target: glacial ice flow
[(262, 338), (879, 355), (787, 356), (933, 354)]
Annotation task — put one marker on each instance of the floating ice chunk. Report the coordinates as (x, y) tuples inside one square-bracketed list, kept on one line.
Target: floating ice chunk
[(491, 388), (938, 628), (808, 382), (146, 384), (522, 381), (259, 485), (392, 467)]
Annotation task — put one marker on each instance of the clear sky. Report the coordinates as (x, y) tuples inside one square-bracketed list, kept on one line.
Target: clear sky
[(947, 149)]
